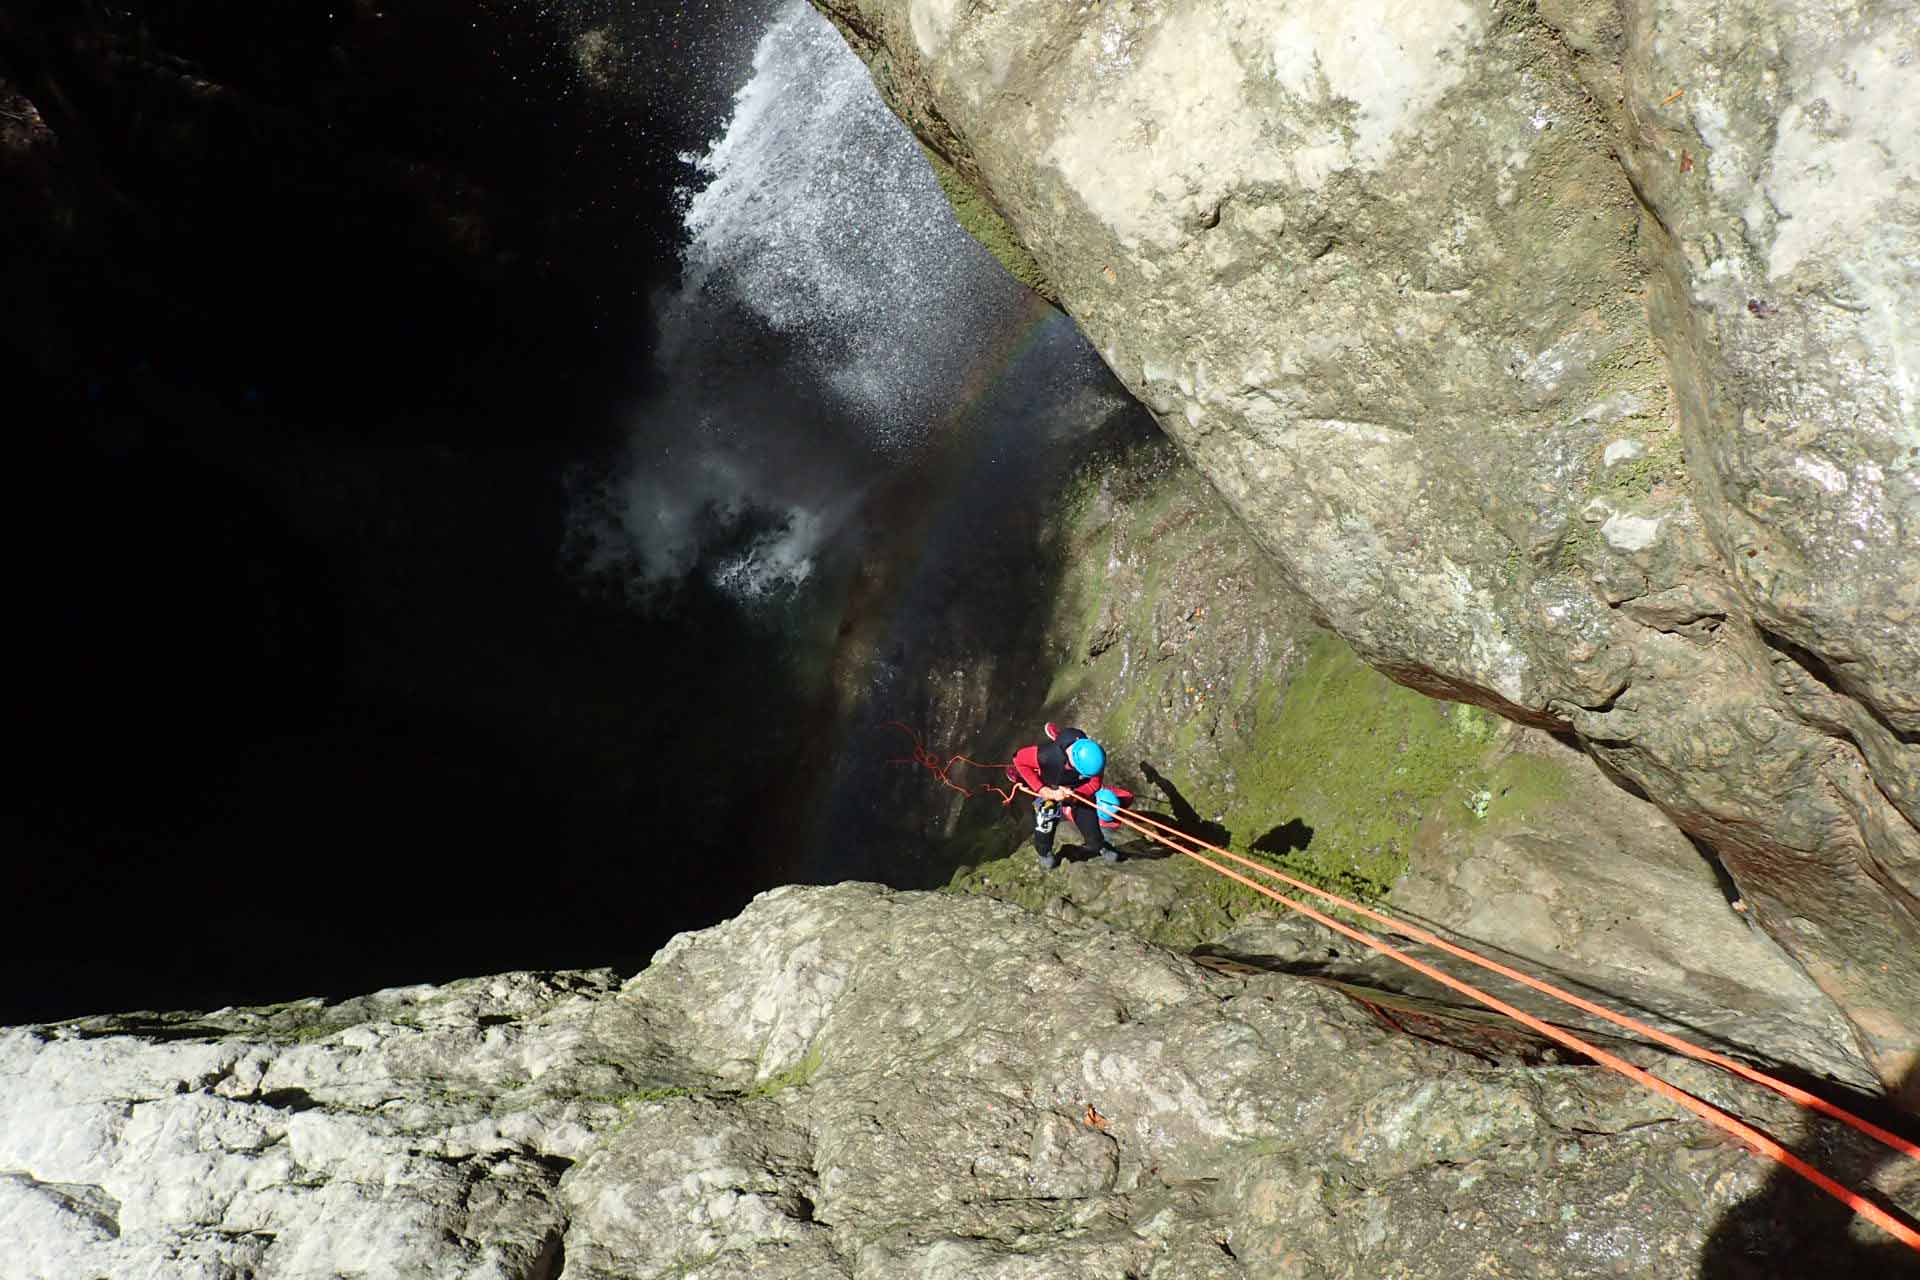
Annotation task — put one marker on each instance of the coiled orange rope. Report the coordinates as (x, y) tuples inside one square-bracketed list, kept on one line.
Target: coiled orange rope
[(943, 770)]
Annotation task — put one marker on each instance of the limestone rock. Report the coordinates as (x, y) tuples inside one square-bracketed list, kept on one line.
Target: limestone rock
[(300, 1141), (1555, 351), (855, 1082), (1277, 738), (1620, 908)]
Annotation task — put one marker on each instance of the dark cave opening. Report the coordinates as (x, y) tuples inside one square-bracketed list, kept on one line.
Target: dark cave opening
[(320, 315), (311, 310)]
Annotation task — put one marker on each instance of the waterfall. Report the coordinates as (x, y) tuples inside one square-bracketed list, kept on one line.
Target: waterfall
[(863, 428), (829, 318)]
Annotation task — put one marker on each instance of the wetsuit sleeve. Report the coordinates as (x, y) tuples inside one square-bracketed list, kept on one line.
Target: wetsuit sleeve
[(1026, 763)]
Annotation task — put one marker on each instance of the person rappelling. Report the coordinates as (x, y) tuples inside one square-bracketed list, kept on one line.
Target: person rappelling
[(1067, 767)]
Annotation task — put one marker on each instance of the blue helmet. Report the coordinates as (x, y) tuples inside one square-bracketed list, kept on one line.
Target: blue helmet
[(1086, 757), (1106, 802)]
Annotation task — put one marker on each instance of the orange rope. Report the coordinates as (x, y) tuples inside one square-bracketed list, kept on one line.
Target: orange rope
[(927, 760), (1739, 1129), (1673, 1042), (1792, 1092)]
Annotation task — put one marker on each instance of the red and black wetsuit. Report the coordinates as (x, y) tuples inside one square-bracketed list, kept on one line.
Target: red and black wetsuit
[(1046, 765)]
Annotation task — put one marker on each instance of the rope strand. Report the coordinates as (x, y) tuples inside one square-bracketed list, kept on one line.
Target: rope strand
[(927, 760), (1756, 1141), (1188, 846), (1781, 1087)]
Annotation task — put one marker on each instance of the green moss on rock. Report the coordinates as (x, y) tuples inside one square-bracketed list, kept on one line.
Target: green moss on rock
[(795, 1076), (1173, 644), (1663, 463), (979, 219), (1521, 784), (1359, 761)]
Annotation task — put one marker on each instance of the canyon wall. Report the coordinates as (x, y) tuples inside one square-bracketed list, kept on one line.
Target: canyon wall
[(1557, 353)]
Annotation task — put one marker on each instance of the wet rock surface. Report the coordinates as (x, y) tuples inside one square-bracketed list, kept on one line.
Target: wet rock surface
[(1553, 351), (853, 1081)]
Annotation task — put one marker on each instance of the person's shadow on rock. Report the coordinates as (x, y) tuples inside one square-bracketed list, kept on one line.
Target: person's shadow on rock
[(1184, 818), (1790, 1229), (1286, 838)]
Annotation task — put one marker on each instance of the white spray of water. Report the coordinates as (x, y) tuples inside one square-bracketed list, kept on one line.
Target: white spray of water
[(822, 215), (830, 315)]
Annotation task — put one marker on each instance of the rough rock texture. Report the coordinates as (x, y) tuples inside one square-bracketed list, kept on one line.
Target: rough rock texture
[(855, 1082), (1616, 905), (1557, 351), (1271, 738), (1623, 911)]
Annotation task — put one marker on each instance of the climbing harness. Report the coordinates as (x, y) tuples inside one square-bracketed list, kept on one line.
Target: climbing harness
[(1190, 846), (1045, 814)]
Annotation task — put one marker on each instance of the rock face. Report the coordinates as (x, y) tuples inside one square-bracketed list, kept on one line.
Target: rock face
[(1271, 737), (1620, 905), (1557, 352), (1622, 911), (854, 1082)]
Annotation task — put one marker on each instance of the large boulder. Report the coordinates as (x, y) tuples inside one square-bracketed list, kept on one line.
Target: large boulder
[(854, 1082), (1557, 352)]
